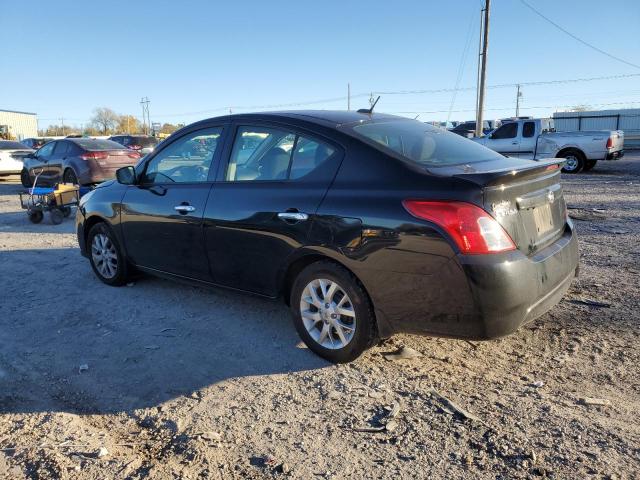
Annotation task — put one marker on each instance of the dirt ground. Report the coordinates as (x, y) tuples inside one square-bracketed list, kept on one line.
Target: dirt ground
[(161, 380)]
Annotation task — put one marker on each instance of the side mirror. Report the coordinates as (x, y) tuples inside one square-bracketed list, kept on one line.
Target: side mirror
[(126, 175)]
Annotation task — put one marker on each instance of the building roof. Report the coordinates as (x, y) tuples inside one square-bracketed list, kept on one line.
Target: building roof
[(16, 111)]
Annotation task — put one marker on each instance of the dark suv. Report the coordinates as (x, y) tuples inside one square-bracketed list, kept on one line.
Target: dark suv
[(366, 225), (142, 144)]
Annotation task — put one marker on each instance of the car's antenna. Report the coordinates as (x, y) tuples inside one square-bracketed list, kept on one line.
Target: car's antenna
[(369, 110)]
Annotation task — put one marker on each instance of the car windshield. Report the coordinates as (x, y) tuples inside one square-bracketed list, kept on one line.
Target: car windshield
[(97, 144), (422, 143), (9, 145)]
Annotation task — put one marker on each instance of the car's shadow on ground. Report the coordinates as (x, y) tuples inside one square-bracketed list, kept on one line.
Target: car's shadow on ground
[(18, 222), (70, 343)]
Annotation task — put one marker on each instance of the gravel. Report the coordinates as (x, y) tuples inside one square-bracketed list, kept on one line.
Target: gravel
[(181, 382)]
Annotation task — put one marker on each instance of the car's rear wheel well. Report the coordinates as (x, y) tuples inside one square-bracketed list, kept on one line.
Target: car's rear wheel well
[(571, 150), (296, 267)]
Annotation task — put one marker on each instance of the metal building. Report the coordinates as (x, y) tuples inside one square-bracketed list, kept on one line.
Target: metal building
[(627, 120), (19, 125)]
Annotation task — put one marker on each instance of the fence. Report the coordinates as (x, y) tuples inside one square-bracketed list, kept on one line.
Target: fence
[(606, 120)]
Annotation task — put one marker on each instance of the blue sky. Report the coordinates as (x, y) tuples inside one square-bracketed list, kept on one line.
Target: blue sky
[(195, 59)]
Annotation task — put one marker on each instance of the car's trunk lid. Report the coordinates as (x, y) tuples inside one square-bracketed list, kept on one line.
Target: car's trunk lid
[(525, 197)]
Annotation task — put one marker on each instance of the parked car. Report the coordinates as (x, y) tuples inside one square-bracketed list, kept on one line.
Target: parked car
[(35, 143), (142, 144), (536, 138), (11, 156), (82, 161), (468, 129), (366, 224)]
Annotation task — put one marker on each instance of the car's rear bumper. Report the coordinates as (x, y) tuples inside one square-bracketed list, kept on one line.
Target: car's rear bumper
[(479, 296), (615, 155)]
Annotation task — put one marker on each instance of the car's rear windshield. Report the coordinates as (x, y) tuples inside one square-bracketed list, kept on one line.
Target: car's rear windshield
[(97, 144), (144, 141), (422, 143)]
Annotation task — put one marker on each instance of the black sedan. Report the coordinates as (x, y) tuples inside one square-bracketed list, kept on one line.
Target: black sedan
[(366, 225)]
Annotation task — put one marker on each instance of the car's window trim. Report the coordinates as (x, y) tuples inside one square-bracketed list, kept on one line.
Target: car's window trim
[(215, 161), (295, 129)]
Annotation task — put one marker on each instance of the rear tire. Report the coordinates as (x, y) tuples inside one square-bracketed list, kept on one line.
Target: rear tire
[(35, 216), (25, 179), (56, 216), (338, 323), (70, 176), (589, 164), (575, 160), (106, 256)]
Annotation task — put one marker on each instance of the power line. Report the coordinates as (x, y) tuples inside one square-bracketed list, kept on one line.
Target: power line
[(593, 47), (463, 62), (511, 108)]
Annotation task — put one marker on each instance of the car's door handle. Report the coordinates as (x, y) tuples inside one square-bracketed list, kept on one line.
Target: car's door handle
[(184, 208), (293, 216), (514, 143)]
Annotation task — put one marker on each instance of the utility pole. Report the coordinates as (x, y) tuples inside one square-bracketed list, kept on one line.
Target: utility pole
[(145, 114), (484, 29), (348, 96), (62, 123), (518, 96)]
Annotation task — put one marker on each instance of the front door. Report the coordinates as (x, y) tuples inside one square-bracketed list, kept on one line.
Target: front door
[(505, 140), (40, 165), (262, 207), (162, 215)]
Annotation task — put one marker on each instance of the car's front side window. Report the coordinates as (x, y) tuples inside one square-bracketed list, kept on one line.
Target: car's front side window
[(46, 150), (186, 160), (510, 130)]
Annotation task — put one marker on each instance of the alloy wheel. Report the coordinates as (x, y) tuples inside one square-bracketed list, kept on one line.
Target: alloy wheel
[(328, 314), (571, 164), (104, 255)]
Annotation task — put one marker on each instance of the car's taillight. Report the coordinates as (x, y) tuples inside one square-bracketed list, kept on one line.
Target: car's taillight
[(135, 155), (473, 229), (610, 142), (94, 156)]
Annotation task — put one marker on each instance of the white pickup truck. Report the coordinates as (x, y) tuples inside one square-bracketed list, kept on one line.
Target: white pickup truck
[(536, 138)]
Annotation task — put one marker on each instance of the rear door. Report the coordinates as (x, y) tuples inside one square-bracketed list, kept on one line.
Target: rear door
[(528, 140), (162, 215), (263, 204), (505, 140)]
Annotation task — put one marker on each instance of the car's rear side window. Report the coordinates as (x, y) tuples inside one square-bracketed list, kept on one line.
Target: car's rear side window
[(528, 129), (265, 153), (421, 143)]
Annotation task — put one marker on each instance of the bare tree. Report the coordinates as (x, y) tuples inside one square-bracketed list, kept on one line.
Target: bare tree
[(104, 119)]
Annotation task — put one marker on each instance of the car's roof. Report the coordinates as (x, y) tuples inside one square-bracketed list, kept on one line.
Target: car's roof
[(328, 118)]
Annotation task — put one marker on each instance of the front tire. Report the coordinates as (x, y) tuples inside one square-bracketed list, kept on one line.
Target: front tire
[(25, 179), (106, 257), (332, 312)]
